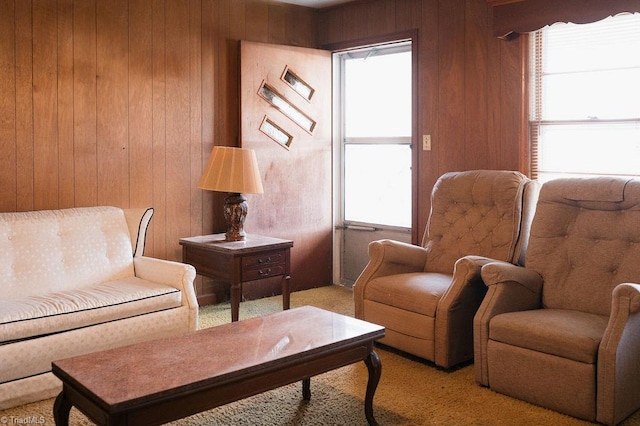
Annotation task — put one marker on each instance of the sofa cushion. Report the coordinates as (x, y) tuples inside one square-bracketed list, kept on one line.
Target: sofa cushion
[(70, 309), (568, 334), (57, 250)]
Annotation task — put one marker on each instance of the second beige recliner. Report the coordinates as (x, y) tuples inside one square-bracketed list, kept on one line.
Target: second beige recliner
[(426, 296)]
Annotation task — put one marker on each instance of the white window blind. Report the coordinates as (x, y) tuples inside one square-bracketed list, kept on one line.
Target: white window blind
[(585, 98)]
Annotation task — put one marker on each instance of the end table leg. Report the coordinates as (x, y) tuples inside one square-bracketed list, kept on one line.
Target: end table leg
[(375, 370), (61, 409), (286, 293), (236, 294), (306, 389)]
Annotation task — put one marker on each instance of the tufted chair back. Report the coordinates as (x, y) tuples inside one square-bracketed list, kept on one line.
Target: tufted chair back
[(477, 212), (585, 240)]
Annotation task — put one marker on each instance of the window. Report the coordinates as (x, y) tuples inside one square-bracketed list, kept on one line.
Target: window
[(585, 98), (376, 135)]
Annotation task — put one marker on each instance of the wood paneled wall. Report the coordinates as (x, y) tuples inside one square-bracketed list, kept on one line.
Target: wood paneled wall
[(121, 102), (471, 85)]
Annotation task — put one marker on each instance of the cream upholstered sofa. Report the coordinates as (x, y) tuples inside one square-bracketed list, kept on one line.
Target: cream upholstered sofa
[(563, 332), (426, 296), (74, 281)]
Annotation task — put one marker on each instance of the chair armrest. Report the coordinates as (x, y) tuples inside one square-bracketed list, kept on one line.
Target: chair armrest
[(387, 257), (619, 355), (175, 274), (510, 288), (456, 309)]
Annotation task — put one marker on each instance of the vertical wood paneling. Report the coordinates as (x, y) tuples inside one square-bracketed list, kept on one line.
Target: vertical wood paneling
[(210, 72), (159, 106), (257, 14), (140, 103), (8, 201), (178, 124), (408, 14), (84, 103), (428, 111), (24, 106), (302, 26), (451, 86), (381, 17), (277, 24), (513, 90), (494, 104), (66, 164), (475, 90), (195, 116), (331, 27), (112, 44), (45, 109), (354, 21)]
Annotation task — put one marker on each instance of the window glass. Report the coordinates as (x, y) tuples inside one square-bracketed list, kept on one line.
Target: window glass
[(376, 135), (585, 87), (378, 95), (378, 184)]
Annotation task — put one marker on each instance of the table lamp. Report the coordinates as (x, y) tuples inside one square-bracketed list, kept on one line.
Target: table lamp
[(233, 170)]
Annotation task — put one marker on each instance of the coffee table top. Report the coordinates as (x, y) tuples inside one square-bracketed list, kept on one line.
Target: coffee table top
[(127, 375)]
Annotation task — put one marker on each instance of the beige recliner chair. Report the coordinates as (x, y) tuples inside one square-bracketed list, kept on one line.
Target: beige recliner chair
[(424, 295), (564, 332)]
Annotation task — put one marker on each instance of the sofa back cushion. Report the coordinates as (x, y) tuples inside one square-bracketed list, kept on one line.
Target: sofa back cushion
[(56, 250), (475, 212), (585, 239)]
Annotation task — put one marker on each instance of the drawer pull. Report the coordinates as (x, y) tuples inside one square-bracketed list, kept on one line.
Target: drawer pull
[(267, 272), (267, 260)]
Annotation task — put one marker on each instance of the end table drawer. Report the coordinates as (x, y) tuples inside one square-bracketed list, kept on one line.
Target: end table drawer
[(264, 272), (263, 260)]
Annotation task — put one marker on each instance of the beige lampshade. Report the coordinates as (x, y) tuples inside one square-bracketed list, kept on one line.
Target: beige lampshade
[(232, 170)]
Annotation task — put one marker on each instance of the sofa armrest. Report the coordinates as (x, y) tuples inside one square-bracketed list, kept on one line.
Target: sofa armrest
[(456, 309), (387, 257), (138, 223), (175, 274), (510, 288), (618, 356)]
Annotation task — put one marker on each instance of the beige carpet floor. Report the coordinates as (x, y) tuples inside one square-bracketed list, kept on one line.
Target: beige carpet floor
[(410, 392)]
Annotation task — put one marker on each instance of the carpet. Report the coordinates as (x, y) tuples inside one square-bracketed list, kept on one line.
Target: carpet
[(411, 391)]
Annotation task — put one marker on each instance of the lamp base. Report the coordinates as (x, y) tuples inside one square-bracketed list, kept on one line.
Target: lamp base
[(235, 212)]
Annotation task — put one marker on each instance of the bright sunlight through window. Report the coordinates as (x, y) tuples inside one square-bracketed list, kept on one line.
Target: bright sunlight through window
[(585, 98), (377, 136)]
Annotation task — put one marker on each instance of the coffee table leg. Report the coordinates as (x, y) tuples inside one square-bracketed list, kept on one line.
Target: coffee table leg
[(61, 409), (306, 389), (375, 370)]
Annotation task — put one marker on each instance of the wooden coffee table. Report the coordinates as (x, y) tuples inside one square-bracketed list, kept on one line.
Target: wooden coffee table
[(155, 382)]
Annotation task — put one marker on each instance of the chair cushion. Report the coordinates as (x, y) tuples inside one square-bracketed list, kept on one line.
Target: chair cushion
[(475, 212), (584, 241), (66, 310), (568, 334), (417, 292)]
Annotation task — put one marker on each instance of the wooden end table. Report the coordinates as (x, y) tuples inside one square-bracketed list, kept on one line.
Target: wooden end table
[(155, 382), (238, 262)]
